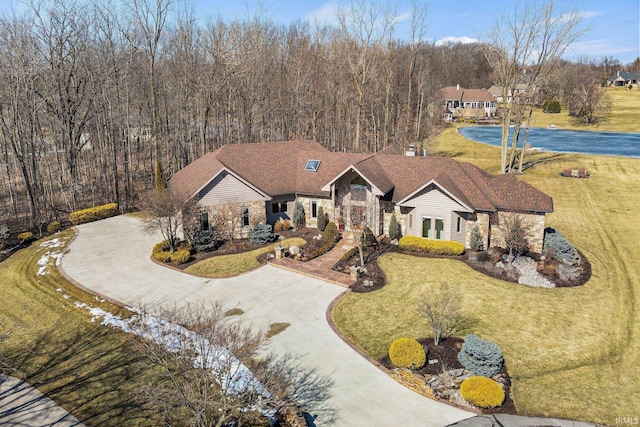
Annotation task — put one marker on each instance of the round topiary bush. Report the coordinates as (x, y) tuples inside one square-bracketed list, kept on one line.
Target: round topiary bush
[(331, 233), (407, 353), (482, 392), (25, 237)]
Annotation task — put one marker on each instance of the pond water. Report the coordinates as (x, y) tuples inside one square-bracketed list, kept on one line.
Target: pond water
[(564, 141)]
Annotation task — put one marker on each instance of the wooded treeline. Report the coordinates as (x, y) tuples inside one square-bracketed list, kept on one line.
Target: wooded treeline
[(95, 94), (92, 95)]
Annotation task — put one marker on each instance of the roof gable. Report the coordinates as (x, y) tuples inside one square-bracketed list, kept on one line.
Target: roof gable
[(278, 168)]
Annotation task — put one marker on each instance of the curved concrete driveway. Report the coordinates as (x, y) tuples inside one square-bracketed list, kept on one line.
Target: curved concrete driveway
[(111, 257)]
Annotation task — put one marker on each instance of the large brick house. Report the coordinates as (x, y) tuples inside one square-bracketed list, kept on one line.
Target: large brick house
[(432, 197)]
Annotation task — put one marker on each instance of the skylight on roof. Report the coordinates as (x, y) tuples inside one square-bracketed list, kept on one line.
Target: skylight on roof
[(312, 165)]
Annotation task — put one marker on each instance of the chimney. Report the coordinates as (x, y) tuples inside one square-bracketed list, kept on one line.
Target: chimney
[(458, 85), (618, 73), (411, 152)]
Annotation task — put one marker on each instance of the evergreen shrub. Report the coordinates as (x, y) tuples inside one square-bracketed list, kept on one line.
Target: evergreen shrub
[(555, 242), (299, 217), (394, 228), (205, 241), (322, 219), (407, 353), (331, 233), (552, 107), (481, 357), (482, 392), (93, 214), (428, 246), (25, 237), (53, 227), (261, 234), (475, 238)]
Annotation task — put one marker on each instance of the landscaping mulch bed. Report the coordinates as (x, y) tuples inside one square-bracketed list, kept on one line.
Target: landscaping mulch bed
[(446, 353), (244, 245), (374, 275)]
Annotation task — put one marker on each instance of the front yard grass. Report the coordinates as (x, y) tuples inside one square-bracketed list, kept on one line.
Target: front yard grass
[(87, 368), (571, 352), (234, 264)]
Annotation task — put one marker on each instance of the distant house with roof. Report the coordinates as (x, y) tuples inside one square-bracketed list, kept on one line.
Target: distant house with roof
[(622, 79), (433, 197), (505, 95), (467, 103)]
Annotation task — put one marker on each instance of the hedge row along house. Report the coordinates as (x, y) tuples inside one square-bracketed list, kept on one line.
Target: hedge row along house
[(432, 197)]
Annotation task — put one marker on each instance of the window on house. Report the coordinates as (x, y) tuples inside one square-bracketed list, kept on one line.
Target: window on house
[(277, 207), (312, 165), (358, 189), (410, 221), (245, 217), (426, 227), (204, 221), (459, 225), (439, 229), (314, 209)]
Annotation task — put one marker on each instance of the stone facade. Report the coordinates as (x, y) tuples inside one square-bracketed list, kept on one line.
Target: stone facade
[(230, 215), (534, 223), (327, 207)]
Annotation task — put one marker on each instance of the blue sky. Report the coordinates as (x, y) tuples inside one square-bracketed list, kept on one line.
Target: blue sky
[(614, 24)]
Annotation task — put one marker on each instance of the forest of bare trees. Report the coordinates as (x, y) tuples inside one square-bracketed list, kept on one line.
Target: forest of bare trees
[(97, 95)]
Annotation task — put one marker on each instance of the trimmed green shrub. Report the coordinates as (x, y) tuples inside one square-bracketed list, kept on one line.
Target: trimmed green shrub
[(348, 254), (53, 227), (299, 217), (428, 246), (551, 107), (482, 392), (331, 233), (261, 234), (407, 353), (394, 228), (481, 357), (205, 241), (369, 238), (93, 214), (322, 219), (475, 238), (25, 237)]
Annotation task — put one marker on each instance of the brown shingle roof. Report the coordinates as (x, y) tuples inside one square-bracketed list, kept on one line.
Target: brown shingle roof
[(453, 93), (277, 168)]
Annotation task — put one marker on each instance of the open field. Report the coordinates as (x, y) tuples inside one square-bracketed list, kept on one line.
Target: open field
[(87, 368), (572, 352), (625, 110)]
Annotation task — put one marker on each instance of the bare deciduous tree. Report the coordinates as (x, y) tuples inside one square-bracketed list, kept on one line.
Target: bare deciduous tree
[(203, 357), (532, 37), (442, 308), (164, 211)]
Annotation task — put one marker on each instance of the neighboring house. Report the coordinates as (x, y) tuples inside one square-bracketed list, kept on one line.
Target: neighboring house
[(500, 93), (467, 103), (622, 79), (433, 197)]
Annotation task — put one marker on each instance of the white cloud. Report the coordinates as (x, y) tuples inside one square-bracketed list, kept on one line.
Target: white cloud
[(406, 16), (326, 15), (454, 40)]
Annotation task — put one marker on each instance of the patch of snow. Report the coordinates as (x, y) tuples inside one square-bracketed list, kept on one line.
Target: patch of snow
[(50, 256), (65, 296), (233, 375), (58, 289)]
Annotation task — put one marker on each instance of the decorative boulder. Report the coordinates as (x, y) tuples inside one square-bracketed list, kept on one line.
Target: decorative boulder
[(294, 250)]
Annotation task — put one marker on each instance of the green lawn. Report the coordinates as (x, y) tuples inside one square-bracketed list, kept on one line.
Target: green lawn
[(572, 353), (87, 368), (235, 264)]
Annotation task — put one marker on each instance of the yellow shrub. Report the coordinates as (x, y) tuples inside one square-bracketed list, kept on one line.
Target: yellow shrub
[(428, 246), (407, 353), (53, 227), (180, 256), (277, 227), (482, 392), (25, 237), (93, 214)]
